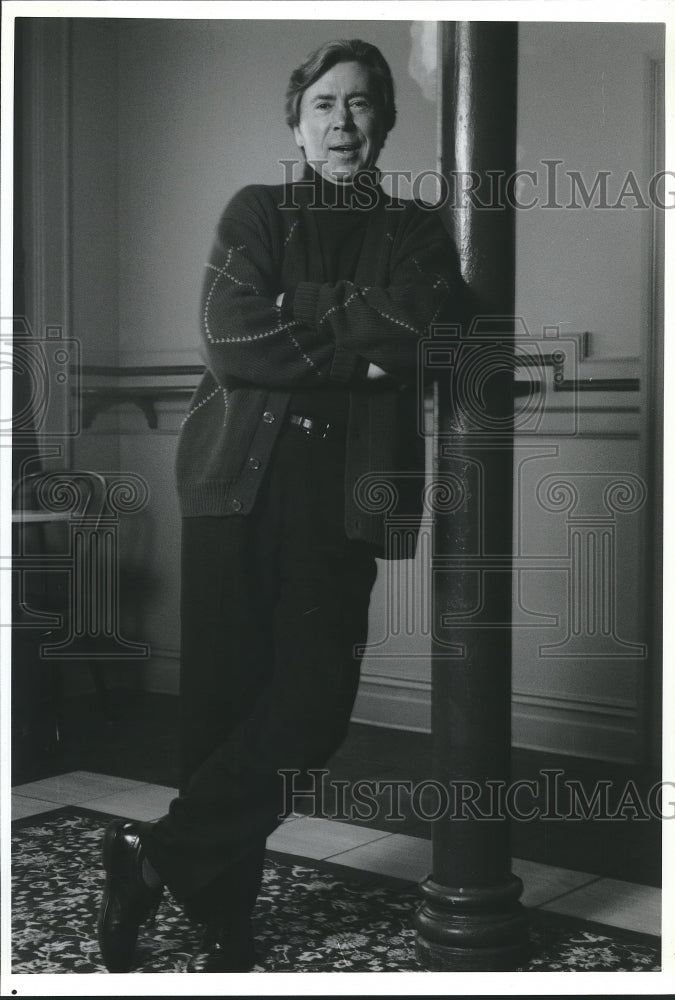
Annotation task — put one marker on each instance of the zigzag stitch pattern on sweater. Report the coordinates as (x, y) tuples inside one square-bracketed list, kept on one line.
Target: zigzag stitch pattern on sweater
[(393, 319), (384, 315), (290, 232), (302, 353), (202, 402), (225, 272), (342, 305), (249, 338)]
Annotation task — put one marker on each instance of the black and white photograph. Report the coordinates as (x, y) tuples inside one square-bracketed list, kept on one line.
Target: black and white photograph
[(334, 485)]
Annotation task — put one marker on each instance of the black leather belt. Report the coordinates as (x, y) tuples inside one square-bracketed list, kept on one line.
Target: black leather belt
[(317, 428)]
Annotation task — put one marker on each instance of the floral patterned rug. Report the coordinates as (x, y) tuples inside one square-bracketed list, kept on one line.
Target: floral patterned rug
[(311, 916)]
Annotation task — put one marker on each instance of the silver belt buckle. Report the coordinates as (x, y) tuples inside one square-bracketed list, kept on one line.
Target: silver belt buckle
[(310, 425)]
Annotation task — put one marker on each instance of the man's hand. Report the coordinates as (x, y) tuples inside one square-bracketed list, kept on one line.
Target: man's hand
[(280, 299)]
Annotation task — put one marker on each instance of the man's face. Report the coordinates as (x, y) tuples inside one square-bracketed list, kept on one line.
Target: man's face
[(340, 122)]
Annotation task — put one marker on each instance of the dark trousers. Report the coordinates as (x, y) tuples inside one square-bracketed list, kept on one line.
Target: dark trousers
[(273, 605)]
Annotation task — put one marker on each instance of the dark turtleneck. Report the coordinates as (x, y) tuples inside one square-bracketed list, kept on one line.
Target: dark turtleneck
[(340, 213)]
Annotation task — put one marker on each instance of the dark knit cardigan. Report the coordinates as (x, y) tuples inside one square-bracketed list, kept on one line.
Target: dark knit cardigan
[(325, 334)]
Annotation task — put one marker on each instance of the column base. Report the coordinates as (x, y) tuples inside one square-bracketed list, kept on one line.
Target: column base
[(472, 930)]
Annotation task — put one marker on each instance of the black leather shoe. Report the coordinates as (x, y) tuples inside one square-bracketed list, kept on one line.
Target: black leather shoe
[(127, 901), (223, 949)]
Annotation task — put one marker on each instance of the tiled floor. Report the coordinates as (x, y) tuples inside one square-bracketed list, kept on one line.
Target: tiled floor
[(561, 890)]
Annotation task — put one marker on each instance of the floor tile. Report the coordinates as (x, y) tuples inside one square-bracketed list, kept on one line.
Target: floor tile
[(146, 802), (618, 904), (542, 883), (23, 806), (320, 838), (75, 787), (397, 854)]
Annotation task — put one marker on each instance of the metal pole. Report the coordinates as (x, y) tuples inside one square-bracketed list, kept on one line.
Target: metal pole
[(471, 919)]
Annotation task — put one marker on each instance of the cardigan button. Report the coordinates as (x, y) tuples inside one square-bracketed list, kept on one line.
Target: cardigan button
[(236, 504), (268, 417), (253, 462)]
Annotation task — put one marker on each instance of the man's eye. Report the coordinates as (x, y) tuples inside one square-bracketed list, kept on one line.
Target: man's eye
[(322, 105), (360, 104)]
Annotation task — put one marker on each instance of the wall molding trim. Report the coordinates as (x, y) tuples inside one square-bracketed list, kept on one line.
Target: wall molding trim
[(601, 728)]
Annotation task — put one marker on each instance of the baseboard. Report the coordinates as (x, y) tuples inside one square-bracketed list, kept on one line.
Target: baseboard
[(595, 730), (395, 703), (559, 724)]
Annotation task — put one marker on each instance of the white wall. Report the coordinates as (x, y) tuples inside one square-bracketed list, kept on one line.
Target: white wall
[(584, 99)]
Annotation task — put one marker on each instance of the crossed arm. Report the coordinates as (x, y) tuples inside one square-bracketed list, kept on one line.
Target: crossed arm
[(373, 372), (331, 332)]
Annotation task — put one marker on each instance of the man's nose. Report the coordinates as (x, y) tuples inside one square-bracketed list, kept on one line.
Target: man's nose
[(342, 117)]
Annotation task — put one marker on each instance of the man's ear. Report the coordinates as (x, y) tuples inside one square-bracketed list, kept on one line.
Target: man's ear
[(297, 134)]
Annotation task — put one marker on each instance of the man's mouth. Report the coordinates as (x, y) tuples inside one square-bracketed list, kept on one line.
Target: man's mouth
[(345, 147)]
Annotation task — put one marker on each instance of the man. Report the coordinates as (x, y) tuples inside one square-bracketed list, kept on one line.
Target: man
[(316, 296)]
